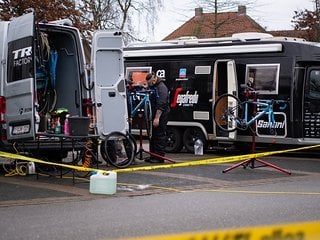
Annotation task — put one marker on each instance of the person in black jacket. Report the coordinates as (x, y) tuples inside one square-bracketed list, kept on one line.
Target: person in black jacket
[(160, 111)]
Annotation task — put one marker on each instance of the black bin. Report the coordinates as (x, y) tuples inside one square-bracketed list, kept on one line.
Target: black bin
[(78, 126)]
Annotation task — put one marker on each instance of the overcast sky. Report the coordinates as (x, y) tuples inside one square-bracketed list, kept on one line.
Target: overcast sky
[(272, 14)]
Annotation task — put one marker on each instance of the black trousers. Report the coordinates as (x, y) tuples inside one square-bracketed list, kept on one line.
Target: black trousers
[(158, 141)]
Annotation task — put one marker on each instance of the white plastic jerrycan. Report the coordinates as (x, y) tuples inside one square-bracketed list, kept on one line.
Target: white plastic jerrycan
[(103, 182)]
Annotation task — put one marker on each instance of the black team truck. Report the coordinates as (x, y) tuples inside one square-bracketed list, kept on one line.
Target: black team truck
[(198, 71)]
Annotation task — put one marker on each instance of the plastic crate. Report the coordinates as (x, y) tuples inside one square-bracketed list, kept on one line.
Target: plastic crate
[(79, 126)]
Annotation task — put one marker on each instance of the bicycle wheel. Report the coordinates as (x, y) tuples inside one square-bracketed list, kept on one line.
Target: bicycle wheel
[(103, 149), (148, 118), (118, 149), (51, 99), (47, 100), (42, 103), (134, 143), (227, 112)]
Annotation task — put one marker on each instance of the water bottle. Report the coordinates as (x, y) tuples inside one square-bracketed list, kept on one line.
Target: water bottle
[(48, 121), (57, 129), (37, 121), (198, 147), (66, 125)]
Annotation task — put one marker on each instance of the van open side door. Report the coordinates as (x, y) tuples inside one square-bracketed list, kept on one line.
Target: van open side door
[(225, 81), (19, 87), (108, 75)]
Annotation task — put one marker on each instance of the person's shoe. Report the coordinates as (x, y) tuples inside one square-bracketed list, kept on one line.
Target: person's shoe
[(147, 159), (156, 160)]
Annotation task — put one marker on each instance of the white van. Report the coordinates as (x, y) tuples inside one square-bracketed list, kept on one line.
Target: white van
[(44, 77)]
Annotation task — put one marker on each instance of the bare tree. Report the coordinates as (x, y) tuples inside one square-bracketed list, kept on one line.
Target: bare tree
[(99, 14), (90, 15), (308, 22), (218, 6), (124, 15), (43, 9)]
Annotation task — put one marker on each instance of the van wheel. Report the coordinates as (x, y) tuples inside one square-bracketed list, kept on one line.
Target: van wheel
[(189, 135), (174, 140)]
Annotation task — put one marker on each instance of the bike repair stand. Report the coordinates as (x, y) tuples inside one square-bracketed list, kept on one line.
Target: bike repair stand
[(141, 150), (251, 162)]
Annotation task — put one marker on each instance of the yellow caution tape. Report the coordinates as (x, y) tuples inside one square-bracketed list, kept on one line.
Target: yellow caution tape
[(296, 231), (162, 166), (30, 159), (215, 160)]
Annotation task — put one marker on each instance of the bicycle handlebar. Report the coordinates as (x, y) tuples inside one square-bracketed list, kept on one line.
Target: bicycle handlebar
[(284, 102), (142, 92), (265, 103)]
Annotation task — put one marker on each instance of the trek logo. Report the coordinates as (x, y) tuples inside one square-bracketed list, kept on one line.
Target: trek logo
[(186, 99), (22, 56)]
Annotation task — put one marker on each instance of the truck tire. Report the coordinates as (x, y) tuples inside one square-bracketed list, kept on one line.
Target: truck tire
[(189, 136), (174, 140)]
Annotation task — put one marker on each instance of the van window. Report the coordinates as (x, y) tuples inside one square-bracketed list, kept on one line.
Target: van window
[(20, 59), (264, 78), (314, 83), (137, 75)]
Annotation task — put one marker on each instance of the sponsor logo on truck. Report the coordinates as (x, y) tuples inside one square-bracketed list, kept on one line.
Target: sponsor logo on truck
[(276, 129), (187, 99)]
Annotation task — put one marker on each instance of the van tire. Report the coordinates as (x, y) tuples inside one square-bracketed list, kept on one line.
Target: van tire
[(174, 140), (189, 136)]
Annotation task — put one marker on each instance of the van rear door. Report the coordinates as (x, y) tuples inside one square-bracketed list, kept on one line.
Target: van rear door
[(108, 75), (225, 81), (19, 85)]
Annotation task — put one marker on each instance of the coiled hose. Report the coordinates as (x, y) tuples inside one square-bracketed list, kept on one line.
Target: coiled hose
[(88, 154)]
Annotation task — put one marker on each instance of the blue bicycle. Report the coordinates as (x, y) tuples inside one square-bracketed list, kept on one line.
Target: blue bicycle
[(140, 105), (230, 113)]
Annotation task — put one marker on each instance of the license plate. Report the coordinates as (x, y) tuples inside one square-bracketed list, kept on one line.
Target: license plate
[(18, 130)]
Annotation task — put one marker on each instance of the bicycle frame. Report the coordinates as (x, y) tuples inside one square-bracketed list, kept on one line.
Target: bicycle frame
[(267, 108), (142, 102), (145, 100), (230, 113), (142, 107)]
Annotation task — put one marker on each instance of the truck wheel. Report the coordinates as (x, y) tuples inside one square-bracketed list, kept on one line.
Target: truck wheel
[(174, 140), (189, 136)]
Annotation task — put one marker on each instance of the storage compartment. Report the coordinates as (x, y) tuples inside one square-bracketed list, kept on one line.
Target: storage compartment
[(58, 80), (79, 126)]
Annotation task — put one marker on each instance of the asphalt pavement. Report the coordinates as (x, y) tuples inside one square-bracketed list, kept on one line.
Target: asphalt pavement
[(161, 201)]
